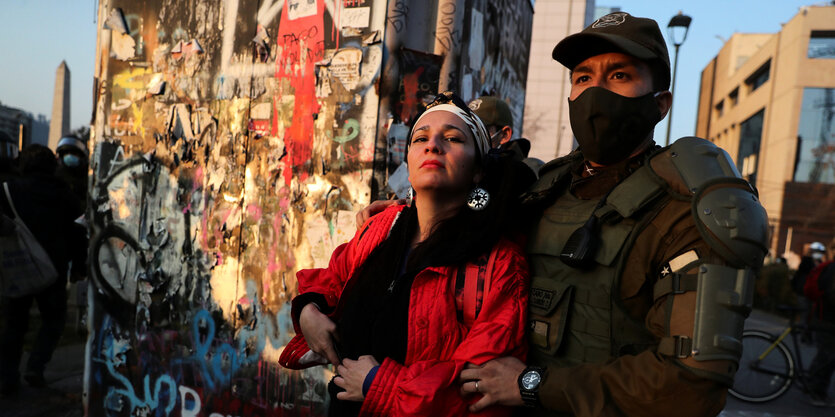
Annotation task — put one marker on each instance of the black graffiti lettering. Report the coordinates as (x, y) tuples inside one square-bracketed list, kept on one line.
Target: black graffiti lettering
[(445, 34), (449, 8), (291, 39), (447, 38), (398, 15)]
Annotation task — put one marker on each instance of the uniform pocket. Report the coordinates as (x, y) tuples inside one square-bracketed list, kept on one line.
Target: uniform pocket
[(550, 303)]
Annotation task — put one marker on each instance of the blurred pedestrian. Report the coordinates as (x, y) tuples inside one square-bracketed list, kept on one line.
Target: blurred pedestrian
[(48, 208), (773, 286), (72, 169), (72, 165), (820, 289), (813, 254)]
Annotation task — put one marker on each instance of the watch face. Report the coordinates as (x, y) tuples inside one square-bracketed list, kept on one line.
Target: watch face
[(530, 380)]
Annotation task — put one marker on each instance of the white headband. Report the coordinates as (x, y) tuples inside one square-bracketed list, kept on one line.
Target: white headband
[(482, 139)]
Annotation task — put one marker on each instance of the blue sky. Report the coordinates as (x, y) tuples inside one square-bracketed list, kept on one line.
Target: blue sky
[(713, 22), (35, 35)]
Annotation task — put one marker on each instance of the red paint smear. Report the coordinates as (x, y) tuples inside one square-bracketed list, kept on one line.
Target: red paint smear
[(410, 90), (260, 127), (300, 38)]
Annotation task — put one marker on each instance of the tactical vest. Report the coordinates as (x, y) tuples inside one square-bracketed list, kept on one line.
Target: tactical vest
[(576, 315)]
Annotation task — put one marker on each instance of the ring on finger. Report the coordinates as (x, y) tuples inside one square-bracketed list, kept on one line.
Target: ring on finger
[(476, 386)]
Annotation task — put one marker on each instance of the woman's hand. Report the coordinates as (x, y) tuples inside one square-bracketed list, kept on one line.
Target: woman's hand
[(319, 332), (351, 376)]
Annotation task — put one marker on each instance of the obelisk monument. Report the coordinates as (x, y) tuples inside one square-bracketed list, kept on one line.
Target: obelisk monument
[(60, 123)]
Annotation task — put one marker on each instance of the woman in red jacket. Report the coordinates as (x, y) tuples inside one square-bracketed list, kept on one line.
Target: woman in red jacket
[(421, 291)]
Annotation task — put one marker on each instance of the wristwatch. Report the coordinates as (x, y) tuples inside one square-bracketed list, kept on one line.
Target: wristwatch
[(529, 382)]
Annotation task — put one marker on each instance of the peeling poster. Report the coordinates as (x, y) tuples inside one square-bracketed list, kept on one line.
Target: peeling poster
[(345, 66), (123, 46)]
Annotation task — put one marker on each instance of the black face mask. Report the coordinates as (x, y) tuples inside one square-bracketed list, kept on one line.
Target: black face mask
[(609, 126)]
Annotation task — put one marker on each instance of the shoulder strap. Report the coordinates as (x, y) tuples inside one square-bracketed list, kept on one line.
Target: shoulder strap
[(9, 199), (477, 280)]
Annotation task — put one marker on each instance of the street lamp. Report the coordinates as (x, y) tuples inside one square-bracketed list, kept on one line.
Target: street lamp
[(677, 28)]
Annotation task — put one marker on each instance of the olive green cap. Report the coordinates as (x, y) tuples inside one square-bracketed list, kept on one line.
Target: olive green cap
[(492, 111)]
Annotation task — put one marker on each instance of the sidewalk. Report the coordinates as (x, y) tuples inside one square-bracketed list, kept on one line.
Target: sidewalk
[(64, 374), (62, 398)]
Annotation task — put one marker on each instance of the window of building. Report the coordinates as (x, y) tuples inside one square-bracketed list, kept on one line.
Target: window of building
[(815, 160), (733, 97), (759, 77), (720, 108), (822, 44), (750, 136)]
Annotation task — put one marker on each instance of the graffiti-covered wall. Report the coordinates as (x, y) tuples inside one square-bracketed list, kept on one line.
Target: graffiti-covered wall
[(233, 142)]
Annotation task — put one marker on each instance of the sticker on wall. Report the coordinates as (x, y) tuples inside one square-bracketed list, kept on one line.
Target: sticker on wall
[(123, 47), (396, 138), (300, 8), (399, 181), (345, 66), (356, 17)]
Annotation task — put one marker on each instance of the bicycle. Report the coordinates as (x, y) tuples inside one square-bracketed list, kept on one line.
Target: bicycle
[(767, 367)]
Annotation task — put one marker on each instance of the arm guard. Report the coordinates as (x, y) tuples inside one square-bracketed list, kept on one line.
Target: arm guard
[(729, 217)]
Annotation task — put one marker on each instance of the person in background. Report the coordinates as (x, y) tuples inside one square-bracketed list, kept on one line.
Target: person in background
[(813, 255), (498, 119), (421, 290), (820, 289), (773, 287), (72, 165), (49, 210)]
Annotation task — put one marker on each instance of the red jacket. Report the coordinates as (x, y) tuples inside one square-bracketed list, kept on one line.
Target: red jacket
[(438, 346)]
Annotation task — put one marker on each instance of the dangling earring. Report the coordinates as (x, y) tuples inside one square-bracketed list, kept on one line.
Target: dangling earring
[(410, 198), (478, 198)]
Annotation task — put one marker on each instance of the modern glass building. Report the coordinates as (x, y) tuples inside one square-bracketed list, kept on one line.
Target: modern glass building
[(769, 100)]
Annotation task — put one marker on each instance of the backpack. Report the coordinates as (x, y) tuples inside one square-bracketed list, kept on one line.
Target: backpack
[(25, 267)]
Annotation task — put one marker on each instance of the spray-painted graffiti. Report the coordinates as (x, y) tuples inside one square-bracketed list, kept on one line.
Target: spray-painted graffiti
[(447, 35), (420, 77), (399, 15)]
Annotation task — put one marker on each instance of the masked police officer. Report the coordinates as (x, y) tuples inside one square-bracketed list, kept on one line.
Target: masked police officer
[(642, 259)]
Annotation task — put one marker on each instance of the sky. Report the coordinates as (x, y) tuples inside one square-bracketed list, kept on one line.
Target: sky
[(36, 35), (714, 21)]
